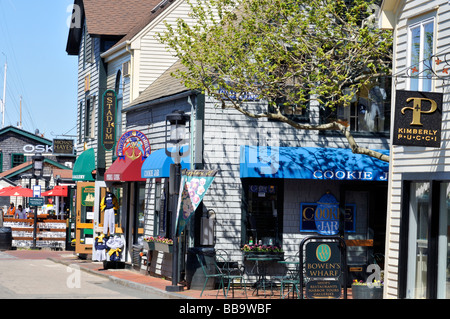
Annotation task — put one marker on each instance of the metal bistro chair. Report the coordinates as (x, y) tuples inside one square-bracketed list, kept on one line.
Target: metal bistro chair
[(231, 272), (291, 278), (210, 273)]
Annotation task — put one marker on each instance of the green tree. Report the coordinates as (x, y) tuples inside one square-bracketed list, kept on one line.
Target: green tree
[(286, 52)]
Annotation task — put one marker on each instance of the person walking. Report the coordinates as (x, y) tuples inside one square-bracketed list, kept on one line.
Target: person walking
[(20, 213)]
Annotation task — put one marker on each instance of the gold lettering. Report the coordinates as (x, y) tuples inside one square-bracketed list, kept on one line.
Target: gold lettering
[(417, 109)]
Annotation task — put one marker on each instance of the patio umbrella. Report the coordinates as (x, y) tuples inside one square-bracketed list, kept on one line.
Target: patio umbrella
[(19, 191), (5, 190), (56, 191)]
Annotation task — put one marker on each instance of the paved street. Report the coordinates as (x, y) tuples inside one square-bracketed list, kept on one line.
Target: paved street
[(25, 278)]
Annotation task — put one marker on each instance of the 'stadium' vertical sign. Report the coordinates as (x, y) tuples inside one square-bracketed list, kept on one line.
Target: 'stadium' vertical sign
[(108, 120), (418, 117)]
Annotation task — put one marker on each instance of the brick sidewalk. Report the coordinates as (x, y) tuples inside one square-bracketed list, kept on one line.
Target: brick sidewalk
[(135, 279)]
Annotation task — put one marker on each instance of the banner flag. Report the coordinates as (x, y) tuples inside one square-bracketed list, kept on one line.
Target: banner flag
[(194, 184)]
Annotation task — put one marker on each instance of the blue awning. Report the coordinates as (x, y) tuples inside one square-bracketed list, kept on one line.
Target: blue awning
[(157, 165), (311, 163)]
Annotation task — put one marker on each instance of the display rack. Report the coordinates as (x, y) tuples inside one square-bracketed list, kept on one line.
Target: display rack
[(49, 232)]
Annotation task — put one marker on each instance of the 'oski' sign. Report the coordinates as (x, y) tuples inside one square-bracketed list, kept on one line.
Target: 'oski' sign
[(327, 215)]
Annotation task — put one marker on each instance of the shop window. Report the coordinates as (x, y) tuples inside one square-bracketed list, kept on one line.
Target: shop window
[(425, 233), (368, 111), (139, 214), (17, 159), (161, 219), (296, 113), (263, 214), (89, 117), (420, 50)]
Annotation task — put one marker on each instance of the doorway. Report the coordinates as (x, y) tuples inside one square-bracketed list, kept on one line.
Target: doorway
[(84, 225)]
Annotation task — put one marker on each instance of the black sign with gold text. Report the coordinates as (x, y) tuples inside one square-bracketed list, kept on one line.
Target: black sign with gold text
[(418, 117), (108, 120)]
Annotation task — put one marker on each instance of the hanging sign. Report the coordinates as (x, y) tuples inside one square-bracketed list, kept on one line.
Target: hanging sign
[(418, 118), (63, 147), (326, 215), (134, 145), (194, 184), (308, 221), (108, 120)]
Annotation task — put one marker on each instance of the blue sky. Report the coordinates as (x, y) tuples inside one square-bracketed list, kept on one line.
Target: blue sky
[(33, 37)]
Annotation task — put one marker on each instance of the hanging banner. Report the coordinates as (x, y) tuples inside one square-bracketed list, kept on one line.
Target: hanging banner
[(194, 184)]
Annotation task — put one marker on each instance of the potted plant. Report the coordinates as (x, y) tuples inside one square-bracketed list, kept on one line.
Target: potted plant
[(262, 250), (362, 290), (159, 243)]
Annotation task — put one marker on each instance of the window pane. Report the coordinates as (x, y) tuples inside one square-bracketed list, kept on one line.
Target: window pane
[(427, 53), (415, 57), (418, 241)]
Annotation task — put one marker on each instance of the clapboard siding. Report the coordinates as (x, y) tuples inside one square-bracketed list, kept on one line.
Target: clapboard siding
[(153, 56), (414, 159)]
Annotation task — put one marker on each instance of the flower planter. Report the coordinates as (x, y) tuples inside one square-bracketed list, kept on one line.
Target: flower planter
[(264, 254), (163, 247), (150, 245), (365, 292)]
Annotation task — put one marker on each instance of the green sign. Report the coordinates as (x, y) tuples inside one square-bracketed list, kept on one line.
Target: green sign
[(88, 196), (323, 289), (36, 201), (323, 260)]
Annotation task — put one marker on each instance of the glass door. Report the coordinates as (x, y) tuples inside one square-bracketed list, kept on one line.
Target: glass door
[(85, 218), (443, 278), (416, 286)]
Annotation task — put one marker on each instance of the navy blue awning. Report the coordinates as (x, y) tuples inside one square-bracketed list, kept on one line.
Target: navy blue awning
[(158, 164), (311, 163)]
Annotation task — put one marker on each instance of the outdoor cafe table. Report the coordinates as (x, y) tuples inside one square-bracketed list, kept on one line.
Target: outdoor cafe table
[(262, 273), (292, 262)]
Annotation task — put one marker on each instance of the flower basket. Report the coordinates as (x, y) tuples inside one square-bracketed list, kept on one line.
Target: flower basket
[(163, 247), (365, 292)]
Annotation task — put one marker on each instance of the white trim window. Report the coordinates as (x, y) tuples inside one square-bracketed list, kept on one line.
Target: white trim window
[(421, 45)]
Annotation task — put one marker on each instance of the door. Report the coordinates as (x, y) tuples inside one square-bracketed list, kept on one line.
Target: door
[(85, 217)]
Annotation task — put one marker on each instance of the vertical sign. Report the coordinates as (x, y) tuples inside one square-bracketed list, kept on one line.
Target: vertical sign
[(108, 120), (418, 117)]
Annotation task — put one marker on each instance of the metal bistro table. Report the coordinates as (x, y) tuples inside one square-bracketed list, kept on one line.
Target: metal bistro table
[(294, 279), (261, 272)]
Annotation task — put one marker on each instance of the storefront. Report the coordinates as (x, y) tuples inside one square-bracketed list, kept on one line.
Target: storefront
[(123, 180), (283, 186), (83, 170)]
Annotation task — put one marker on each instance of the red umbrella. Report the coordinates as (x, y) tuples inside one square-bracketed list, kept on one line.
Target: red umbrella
[(56, 191), (7, 190), (18, 191)]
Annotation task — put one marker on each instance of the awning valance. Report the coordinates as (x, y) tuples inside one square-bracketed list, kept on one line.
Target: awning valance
[(310, 163), (157, 165), (125, 170), (84, 165)]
